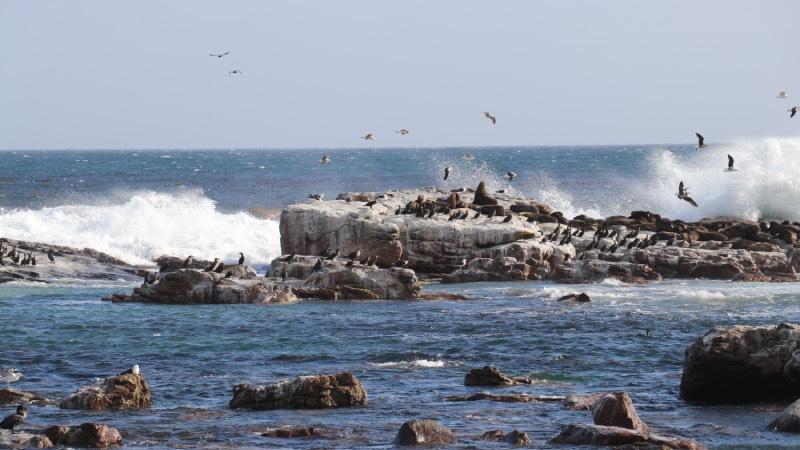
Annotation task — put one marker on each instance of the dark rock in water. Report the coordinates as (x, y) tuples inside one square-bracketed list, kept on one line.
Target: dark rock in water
[(789, 419), (580, 298), (424, 432), (515, 437), (616, 410), (293, 432), (583, 434), (491, 376), (582, 402), (510, 398), (128, 391), (482, 196), (743, 364), (92, 435), (10, 396), (310, 392), (442, 296)]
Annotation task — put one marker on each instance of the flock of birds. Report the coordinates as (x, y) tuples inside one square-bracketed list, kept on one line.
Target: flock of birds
[(21, 258)]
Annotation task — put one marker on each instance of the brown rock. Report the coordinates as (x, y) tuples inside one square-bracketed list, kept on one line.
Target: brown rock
[(10, 396), (616, 409), (293, 432), (515, 437), (582, 434), (86, 435), (582, 402), (310, 392), (491, 376), (716, 271), (126, 391), (510, 398), (424, 432)]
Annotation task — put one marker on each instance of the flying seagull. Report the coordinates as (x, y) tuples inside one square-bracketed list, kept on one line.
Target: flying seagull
[(368, 137), (683, 194), (446, 172), (700, 140), (793, 111), (490, 117), (510, 175), (468, 157), (235, 72), (219, 55), (782, 94), (730, 164), (402, 131), (325, 159)]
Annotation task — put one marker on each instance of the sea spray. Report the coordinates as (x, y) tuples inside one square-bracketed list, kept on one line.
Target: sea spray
[(144, 225)]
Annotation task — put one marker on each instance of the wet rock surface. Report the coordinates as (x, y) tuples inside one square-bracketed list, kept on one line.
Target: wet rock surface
[(308, 392), (583, 434), (424, 432), (92, 435), (616, 409), (127, 391), (491, 376), (11, 396)]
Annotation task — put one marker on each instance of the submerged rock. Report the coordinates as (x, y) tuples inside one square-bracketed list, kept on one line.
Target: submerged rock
[(616, 409), (128, 391), (424, 432), (514, 437), (491, 376), (21, 439), (293, 432), (308, 392), (789, 419), (92, 435), (579, 298), (508, 398), (10, 396), (583, 434), (741, 364)]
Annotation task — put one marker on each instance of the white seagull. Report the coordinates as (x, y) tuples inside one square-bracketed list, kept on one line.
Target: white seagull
[(325, 159), (9, 376)]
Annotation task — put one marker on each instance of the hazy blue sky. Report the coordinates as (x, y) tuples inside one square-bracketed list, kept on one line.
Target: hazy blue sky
[(136, 74)]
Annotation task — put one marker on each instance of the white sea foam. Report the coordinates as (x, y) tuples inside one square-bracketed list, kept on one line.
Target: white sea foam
[(136, 227), (417, 363)]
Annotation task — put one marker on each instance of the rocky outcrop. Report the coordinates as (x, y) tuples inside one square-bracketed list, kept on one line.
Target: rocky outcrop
[(582, 434), (789, 419), (21, 439), (487, 269), (308, 392), (741, 364), (508, 398), (359, 282), (515, 437), (191, 286), (91, 435), (424, 432), (10, 396), (128, 391), (491, 376), (616, 410), (293, 432)]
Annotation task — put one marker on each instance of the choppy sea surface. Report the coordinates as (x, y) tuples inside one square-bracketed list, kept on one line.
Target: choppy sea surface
[(408, 354)]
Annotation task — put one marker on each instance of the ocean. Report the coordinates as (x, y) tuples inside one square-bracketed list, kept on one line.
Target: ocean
[(136, 205)]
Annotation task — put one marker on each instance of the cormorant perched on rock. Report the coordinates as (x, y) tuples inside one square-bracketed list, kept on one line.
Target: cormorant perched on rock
[(317, 266), (531, 219), (220, 268), (354, 255), (283, 274), (188, 262), (2, 263), (325, 252), (33, 260), (14, 420), (477, 214), (241, 258), (349, 264), (50, 255), (290, 258), (213, 266), (12, 252), (334, 255)]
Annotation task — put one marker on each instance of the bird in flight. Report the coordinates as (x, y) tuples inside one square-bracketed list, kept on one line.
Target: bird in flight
[(683, 194), (446, 172), (793, 111), (219, 55), (235, 72), (368, 137), (510, 175), (490, 117), (325, 159), (730, 165), (468, 157), (402, 131), (700, 140), (782, 94)]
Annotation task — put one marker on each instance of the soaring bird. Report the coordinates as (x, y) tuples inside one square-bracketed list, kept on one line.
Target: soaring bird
[(14, 420), (241, 258), (468, 157), (490, 117), (9, 376), (368, 137), (235, 72), (683, 194), (219, 55), (446, 172), (782, 94), (700, 140), (730, 164), (325, 159), (510, 175), (793, 111), (402, 131)]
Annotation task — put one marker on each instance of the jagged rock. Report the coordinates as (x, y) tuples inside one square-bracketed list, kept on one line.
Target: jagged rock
[(582, 402), (424, 432), (491, 376), (616, 409), (293, 432), (128, 391), (10, 396), (486, 269), (741, 364), (510, 398), (789, 419), (582, 434), (366, 282), (515, 437), (21, 439), (92, 435), (308, 392), (597, 270)]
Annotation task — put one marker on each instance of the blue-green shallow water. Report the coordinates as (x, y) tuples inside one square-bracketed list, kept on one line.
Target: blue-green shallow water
[(408, 354)]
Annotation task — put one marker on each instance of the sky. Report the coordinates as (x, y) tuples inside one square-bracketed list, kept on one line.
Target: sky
[(97, 74)]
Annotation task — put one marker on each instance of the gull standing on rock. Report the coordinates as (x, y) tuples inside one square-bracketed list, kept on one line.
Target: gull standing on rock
[(133, 370)]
